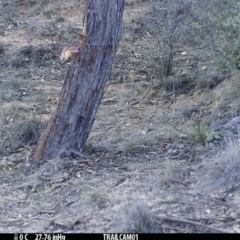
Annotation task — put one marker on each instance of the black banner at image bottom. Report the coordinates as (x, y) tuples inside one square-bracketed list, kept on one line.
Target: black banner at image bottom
[(97, 236), (63, 236)]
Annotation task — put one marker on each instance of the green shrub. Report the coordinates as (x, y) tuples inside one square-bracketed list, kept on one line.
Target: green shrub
[(209, 29)]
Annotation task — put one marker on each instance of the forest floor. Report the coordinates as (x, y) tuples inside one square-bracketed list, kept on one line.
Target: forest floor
[(151, 166)]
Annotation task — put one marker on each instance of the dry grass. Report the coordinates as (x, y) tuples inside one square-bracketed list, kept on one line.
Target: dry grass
[(222, 174), (226, 174), (137, 218), (173, 173)]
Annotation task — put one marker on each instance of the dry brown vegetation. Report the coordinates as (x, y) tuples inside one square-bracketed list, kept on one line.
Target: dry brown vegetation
[(163, 154)]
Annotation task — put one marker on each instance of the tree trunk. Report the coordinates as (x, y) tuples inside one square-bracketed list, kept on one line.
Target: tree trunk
[(70, 125)]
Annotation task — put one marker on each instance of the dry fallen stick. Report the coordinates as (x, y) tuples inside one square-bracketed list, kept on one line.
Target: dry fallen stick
[(185, 221), (228, 223), (120, 185), (12, 220), (139, 100)]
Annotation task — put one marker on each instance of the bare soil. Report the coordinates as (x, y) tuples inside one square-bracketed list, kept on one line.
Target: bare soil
[(145, 168)]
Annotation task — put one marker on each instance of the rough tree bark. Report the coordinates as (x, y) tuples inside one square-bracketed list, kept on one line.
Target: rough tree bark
[(70, 125)]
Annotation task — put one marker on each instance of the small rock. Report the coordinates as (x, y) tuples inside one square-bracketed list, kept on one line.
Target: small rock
[(183, 53)]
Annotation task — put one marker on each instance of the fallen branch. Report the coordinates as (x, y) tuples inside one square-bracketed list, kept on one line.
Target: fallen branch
[(139, 100), (185, 221)]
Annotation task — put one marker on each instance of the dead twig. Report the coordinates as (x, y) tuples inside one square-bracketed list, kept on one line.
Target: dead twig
[(120, 185), (185, 221), (12, 220), (221, 225), (139, 100)]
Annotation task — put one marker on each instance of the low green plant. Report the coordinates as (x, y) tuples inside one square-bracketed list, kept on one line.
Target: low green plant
[(204, 135)]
